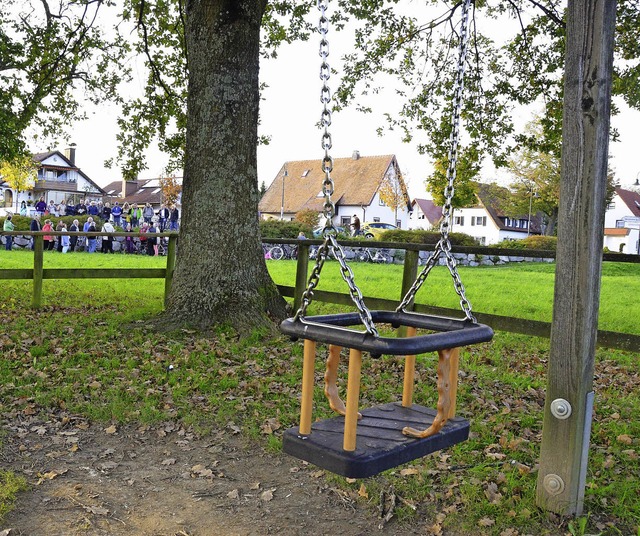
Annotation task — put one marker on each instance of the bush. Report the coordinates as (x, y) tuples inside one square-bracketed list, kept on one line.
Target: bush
[(284, 229), (420, 236), (308, 217), (546, 243)]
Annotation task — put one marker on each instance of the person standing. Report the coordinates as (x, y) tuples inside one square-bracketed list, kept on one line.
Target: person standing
[(35, 227), (64, 238), (355, 225), (8, 226), (173, 218), (116, 214), (48, 239), (41, 207), (148, 213), (90, 227), (106, 212), (73, 240), (136, 215), (107, 240), (59, 228), (163, 214)]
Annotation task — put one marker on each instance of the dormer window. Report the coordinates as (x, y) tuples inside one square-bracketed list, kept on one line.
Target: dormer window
[(305, 172)]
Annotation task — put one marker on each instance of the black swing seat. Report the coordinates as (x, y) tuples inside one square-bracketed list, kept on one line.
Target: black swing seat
[(332, 329), (380, 444)]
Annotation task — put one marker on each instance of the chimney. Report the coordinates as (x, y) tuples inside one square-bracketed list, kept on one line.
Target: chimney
[(355, 155), (128, 188), (70, 153)]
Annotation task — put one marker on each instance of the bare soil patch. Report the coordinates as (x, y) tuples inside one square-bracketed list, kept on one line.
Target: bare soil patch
[(95, 479)]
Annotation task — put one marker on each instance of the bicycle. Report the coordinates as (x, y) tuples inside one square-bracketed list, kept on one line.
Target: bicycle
[(283, 251), (379, 256)]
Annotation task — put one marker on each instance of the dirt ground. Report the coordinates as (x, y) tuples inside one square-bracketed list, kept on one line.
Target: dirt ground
[(94, 479)]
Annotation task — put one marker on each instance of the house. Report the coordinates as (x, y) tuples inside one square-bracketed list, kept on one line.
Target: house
[(622, 222), (490, 225), (141, 192), (425, 214), (360, 183), (58, 178)]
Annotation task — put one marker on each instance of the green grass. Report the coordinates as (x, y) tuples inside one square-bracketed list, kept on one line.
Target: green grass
[(523, 290), (88, 350)]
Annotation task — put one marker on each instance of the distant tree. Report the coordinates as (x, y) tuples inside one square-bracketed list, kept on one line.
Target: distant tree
[(307, 216), (465, 184), (263, 189), (171, 189), (20, 174), (393, 193), (536, 169)]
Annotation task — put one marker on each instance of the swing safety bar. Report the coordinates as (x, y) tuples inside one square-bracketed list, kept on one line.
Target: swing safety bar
[(332, 329)]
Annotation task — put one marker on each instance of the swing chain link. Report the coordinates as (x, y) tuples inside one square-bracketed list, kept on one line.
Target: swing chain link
[(444, 244), (330, 244)]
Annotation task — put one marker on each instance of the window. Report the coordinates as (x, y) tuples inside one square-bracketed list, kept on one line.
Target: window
[(481, 220), (376, 219), (398, 224), (380, 201), (611, 206), (473, 221), (305, 172), (459, 220), (482, 240), (345, 221), (620, 224)]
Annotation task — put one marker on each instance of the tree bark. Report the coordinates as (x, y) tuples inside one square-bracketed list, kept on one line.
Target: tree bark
[(221, 276)]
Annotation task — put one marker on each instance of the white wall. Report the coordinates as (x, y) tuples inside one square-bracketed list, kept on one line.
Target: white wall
[(486, 234)]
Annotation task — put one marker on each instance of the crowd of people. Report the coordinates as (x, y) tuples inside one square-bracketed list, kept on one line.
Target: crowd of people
[(167, 217), (100, 218)]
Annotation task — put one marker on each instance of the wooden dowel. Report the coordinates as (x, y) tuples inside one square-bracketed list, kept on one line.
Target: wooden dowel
[(353, 394), (409, 374), (454, 358), (306, 406)]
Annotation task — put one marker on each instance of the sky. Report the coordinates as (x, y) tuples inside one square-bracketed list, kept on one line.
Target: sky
[(289, 115)]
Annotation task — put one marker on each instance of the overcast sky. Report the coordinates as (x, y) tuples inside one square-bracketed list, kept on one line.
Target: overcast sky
[(289, 113)]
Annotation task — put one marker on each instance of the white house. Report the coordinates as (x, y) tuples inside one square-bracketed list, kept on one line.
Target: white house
[(58, 178), (358, 182), (488, 224), (622, 222), (425, 214)]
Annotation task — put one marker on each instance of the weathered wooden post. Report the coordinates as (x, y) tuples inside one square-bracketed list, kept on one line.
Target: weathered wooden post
[(38, 263), (171, 266), (302, 269), (585, 141)]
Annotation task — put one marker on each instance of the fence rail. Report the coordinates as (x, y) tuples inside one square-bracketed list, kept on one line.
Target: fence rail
[(608, 339)]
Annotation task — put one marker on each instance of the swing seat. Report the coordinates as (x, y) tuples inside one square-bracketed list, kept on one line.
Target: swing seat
[(380, 442), (332, 329)]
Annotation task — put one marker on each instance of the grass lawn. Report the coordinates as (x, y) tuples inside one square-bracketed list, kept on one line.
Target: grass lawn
[(88, 352)]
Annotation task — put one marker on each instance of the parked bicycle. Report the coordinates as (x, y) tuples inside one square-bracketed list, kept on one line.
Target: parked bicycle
[(380, 256), (284, 251)]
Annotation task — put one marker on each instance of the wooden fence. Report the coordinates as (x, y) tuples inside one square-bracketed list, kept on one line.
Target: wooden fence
[(608, 339)]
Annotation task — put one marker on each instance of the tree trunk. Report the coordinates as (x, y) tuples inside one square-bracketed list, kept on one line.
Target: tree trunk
[(221, 276)]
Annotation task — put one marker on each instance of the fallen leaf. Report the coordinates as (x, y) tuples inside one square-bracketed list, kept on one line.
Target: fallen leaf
[(266, 495), (255, 486), (234, 494), (409, 471), (111, 429), (492, 493), (486, 522), (98, 510), (625, 439), (169, 461), (363, 491)]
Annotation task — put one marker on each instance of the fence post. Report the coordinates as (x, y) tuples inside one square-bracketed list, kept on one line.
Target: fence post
[(409, 274), (171, 264), (302, 268), (38, 261), (585, 135)]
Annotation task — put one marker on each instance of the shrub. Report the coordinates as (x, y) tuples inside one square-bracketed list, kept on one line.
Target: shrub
[(284, 229), (308, 217), (546, 243), (420, 236)]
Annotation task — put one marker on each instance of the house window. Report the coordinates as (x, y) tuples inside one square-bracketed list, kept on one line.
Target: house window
[(481, 220), (459, 220), (376, 219), (620, 224), (345, 221), (380, 201), (611, 206), (482, 240), (305, 172), (398, 224)]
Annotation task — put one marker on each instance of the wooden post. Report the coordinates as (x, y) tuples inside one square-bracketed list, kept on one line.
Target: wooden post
[(308, 369), (569, 399), (38, 261), (409, 373), (302, 268), (353, 395), (171, 266), (409, 275)]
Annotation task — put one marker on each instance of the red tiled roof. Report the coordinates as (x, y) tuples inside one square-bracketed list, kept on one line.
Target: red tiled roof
[(631, 199)]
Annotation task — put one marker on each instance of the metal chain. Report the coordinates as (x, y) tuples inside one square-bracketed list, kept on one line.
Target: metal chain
[(330, 244), (444, 244)]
